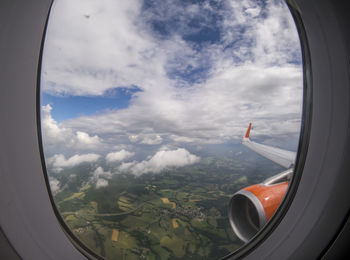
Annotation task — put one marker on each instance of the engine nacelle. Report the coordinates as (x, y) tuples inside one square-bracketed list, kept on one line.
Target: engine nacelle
[(252, 207)]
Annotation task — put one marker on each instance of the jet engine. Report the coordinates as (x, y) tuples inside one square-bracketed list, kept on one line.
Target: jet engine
[(252, 207)]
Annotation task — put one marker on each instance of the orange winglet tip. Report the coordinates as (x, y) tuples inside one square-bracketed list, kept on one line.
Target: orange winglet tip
[(248, 131)]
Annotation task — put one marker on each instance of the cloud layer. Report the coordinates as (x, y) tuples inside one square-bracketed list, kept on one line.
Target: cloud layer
[(100, 177), (59, 161), (160, 161), (204, 71), (59, 138), (118, 156)]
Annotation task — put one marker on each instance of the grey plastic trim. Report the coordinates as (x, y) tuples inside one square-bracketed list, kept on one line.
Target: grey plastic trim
[(26, 217), (6, 249)]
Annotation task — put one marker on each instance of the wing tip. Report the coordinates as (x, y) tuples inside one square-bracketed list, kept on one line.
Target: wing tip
[(248, 131)]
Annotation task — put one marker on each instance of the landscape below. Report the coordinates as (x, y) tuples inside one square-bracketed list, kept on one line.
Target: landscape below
[(180, 213)]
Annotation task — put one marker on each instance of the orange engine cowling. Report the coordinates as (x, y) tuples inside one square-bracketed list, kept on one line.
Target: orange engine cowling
[(251, 207)]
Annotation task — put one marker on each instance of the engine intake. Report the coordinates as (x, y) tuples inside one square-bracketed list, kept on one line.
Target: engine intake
[(252, 207)]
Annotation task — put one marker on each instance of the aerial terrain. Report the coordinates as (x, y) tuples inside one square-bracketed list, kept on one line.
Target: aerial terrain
[(179, 213)]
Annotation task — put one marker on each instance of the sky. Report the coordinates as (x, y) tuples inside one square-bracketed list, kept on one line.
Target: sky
[(146, 84)]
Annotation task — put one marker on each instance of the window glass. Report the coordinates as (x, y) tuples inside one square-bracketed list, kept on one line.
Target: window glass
[(144, 104)]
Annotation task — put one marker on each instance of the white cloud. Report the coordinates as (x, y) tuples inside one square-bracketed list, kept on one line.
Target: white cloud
[(58, 137), (212, 112), (133, 138), (99, 172), (85, 139), (264, 86), (146, 139), (256, 80), (97, 45), (126, 166), (51, 130), (100, 177), (152, 140), (101, 183), (160, 161), (255, 11), (54, 185), (118, 156), (59, 161)]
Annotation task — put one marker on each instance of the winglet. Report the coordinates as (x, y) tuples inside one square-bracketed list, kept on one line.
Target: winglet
[(248, 131)]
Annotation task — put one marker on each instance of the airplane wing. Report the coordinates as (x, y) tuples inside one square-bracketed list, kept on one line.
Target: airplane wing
[(282, 157)]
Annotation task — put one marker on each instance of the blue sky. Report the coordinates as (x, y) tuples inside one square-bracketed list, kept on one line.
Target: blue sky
[(66, 107), (200, 28)]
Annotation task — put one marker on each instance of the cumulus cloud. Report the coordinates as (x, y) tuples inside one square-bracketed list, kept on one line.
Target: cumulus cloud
[(146, 139), (160, 161), (152, 140), (85, 139), (100, 177), (58, 137), (51, 130), (103, 60), (59, 161), (214, 112), (99, 172), (101, 183), (118, 156), (54, 185)]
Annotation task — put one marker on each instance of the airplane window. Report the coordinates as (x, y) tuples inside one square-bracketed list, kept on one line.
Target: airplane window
[(169, 128)]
